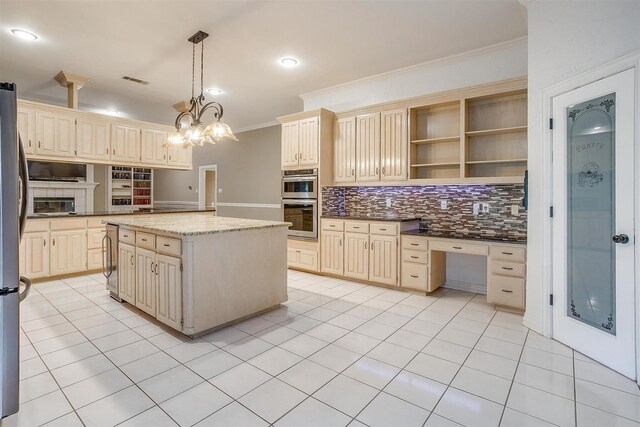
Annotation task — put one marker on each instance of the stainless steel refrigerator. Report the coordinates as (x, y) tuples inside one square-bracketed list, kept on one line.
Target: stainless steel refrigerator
[(13, 204)]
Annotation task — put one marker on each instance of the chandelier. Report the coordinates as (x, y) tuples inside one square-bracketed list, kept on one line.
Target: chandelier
[(190, 129)]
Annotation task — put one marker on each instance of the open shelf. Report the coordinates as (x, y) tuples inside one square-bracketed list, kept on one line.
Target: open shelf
[(480, 162), (436, 140), (499, 131), (426, 165)]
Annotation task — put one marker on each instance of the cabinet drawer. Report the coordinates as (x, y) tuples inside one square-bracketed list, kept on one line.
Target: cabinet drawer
[(508, 291), (68, 224), (302, 258), (508, 253), (415, 243), (36, 225), (387, 229), (169, 246), (506, 268), (332, 225), (410, 255), (127, 236), (94, 238), (146, 240), (463, 248), (414, 276), (356, 227), (95, 222)]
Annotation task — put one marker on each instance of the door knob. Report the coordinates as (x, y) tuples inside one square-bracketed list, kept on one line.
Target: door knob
[(620, 238)]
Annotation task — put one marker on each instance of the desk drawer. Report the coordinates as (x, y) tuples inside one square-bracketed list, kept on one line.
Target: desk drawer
[(463, 248), (415, 243), (127, 236), (419, 257), (169, 246), (414, 276), (508, 253), (356, 227), (332, 225), (386, 229), (508, 291), (146, 240), (506, 268)]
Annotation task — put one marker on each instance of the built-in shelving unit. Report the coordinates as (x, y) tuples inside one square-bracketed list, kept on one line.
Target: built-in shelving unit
[(130, 187)]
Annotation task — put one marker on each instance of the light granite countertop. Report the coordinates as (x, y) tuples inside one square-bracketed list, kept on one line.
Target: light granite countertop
[(192, 225)]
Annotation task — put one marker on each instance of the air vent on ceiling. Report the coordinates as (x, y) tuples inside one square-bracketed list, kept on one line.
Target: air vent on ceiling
[(133, 79)]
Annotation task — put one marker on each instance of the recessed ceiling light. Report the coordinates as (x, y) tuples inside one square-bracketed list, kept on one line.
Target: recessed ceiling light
[(289, 62), (112, 112), (215, 91), (23, 34)]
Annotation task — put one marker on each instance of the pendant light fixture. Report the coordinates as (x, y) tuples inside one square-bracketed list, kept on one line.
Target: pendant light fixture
[(190, 129)]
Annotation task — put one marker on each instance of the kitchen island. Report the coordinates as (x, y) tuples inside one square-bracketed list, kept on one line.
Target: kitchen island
[(197, 273)]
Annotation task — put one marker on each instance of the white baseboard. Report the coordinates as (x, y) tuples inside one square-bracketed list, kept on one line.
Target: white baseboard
[(476, 288), (174, 202), (249, 205)]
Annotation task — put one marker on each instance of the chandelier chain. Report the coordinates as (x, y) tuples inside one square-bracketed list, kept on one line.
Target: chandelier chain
[(202, 68), (193, 70)]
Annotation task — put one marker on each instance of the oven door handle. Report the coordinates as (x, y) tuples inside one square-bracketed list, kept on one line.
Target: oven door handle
[(299, 179)]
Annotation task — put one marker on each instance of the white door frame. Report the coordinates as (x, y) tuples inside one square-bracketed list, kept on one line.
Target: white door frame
[(202, 183), (627, 62)]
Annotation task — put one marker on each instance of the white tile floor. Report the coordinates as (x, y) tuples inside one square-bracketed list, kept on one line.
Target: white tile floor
[(338, 353)]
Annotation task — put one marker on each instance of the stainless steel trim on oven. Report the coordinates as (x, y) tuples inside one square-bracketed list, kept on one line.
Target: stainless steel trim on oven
[(300, 227), (300, 184)]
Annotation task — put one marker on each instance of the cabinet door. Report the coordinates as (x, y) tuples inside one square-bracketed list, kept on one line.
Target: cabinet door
[(125, 144), (27, 129), (36, 254), (169, 301), (332, 252), (68, 252), (356, 257), (93, 140), (368, 147), (383, 259), (180, 156), (344, 150), (394, 145), (56, 135), (289, 144), (95, 259), (308, 142), (126, 273), (153, 150), (146, 281)]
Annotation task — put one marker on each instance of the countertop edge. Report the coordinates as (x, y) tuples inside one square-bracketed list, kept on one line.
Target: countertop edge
[(89, 215), (479, 238), (370, 218)]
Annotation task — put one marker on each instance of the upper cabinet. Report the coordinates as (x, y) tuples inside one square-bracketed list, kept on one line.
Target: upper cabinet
[(344, 150), (393, 145), (368, 147), (307, 140), (54, 133)]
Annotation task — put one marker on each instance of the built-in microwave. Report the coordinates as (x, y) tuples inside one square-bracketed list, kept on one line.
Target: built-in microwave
[(300, 184), (303, 215)]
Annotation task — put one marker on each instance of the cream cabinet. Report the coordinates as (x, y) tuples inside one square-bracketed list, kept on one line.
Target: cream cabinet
[(506, 275), (168, 271), (356, 256), (27, 129), (34, 255), (368, 147), (332, 252), (394, 145), (127, 272), (92, 137), (55, 134), (68, 251), (180, 156), (383, 261), (308, 142), (153, 151), (289, 154), (344, 150), (146, 280), (125, 144)]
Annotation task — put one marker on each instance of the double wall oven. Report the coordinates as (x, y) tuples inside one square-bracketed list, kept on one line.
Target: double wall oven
[(300, 202)]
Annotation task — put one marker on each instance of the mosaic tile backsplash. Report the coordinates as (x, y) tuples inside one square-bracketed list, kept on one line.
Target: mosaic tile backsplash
[(424, 202)]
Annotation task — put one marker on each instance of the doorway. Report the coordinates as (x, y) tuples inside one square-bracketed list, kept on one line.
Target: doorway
[(208, 186), (593, 244)]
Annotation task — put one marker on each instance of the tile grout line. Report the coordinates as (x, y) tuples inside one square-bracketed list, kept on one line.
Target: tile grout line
[(504, 408)]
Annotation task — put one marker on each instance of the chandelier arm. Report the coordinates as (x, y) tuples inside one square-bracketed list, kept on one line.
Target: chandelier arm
[(216, 106), (180, 117)]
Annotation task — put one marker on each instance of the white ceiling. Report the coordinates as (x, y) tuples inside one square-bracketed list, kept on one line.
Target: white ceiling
[(335, 41)]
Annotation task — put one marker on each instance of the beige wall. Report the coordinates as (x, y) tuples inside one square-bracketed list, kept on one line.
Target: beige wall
[(248, 172)]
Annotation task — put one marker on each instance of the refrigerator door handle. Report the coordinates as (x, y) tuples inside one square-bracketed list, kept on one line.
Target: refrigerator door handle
[(27, 288), (24, 175)]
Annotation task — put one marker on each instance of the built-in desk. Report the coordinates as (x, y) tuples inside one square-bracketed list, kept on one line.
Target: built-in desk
[(424, 255)]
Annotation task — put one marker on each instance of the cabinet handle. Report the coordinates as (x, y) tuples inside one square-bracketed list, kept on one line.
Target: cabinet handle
[(506, 291), (132, 263), (44, 243), (383, 229), (114, 151), (414, 257), (164, 157), (125, 235), (54, 242), (383, 170), (156, 268), (29, 143), (143, 239), (296, 156), (457, 247), (415, 277), (414, 244), (507, 268), (332, 226), (356, 227), (366, 245), (340, 241), (39, 144), (301, 156), (166, 245), (152, 269), (507, 253), (353, 172), (377, 169)]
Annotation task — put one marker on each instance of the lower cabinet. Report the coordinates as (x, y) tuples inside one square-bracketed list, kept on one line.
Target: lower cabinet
[(68, 251), (34, 255), (383, 261), (356, 257), (332, 252), (95, 253), (169, 290), (127, 272), (146, 280)]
